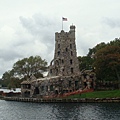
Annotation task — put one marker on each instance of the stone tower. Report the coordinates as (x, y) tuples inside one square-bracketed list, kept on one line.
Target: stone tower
[(65, 62)]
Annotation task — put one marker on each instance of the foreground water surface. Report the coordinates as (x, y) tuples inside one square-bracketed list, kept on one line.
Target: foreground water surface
[(11, 110)]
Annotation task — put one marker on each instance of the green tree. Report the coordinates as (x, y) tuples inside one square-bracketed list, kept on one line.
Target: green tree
[(107, 63), (85, 63), (115, 42), (30, 66), (9, 80), (22, 70), (99, 46), (6, 78)]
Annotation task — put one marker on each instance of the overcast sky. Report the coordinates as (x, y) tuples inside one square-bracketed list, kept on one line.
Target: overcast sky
[(27, 27)]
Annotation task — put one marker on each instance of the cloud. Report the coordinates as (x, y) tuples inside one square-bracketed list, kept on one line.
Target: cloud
[(112, 22), (29, 29), (34, 36), (8, 55), (42, 29)]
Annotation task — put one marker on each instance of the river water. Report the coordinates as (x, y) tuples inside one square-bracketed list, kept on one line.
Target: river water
[(11, 110)]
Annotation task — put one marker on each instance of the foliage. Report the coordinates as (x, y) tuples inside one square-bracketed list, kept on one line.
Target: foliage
[(30, 66), (8, 80), (22, 70), (92, 51), (85, 62), (107, 63), (105, 58)]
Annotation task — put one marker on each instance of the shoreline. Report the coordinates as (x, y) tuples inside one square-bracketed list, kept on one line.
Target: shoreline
[(75, 100)]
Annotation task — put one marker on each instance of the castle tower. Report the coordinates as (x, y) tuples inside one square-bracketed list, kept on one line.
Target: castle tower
[(65, 62)]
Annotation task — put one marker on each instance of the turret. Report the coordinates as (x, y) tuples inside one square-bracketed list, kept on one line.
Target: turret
[(72, 31), (72, 28)]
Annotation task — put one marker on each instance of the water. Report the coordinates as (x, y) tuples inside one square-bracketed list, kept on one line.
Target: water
[(10, 110)]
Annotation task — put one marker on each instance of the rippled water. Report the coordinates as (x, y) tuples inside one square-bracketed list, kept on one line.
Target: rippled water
[(10, 110)]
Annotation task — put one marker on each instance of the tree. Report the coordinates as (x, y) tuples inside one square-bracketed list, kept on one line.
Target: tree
[(107, 63), (96, 48), (115, 42), (22, 70), (9, 80), (85, 62), (6, 78), (30, 66)]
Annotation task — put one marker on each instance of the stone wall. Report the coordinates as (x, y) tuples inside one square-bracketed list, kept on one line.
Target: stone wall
[(65, 60), (52, 86)]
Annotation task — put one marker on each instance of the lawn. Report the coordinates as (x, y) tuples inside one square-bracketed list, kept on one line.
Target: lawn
[(98, 94)]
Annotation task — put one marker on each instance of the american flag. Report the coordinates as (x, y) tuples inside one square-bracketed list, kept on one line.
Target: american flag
[(64, 19)]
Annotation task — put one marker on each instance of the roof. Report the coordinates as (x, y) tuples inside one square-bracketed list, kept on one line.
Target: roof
[(41, 79), (48, 78), (26, 82)]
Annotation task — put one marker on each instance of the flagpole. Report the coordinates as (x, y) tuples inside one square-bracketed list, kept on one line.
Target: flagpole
[(63, 19), (62, 23)]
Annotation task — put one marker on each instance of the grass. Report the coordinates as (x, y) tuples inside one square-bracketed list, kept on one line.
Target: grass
[(97, 94)]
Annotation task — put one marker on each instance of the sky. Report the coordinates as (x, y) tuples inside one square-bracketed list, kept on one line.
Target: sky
[(27, 27)]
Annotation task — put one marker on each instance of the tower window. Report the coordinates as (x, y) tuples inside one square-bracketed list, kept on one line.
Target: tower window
[(70, 83), (62, 61), (50, 70), (66, 49), (71, 61), (58, 45), (58, 52), (71, 53), (42, 88), (46, 88), (56, 71), (71, 70), (71, 46)]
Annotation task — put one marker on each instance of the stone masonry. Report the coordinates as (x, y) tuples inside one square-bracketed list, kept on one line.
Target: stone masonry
[(65, 60), (63, 74)]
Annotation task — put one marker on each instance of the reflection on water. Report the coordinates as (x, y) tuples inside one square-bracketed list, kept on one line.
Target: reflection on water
[(10, 110)]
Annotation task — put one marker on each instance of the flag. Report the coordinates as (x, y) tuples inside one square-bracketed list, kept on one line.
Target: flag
[(64, 19)]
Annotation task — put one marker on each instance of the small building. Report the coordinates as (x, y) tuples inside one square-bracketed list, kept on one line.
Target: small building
[(63, 75)]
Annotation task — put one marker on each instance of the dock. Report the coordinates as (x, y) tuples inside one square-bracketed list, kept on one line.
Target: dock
[(58, 100)]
